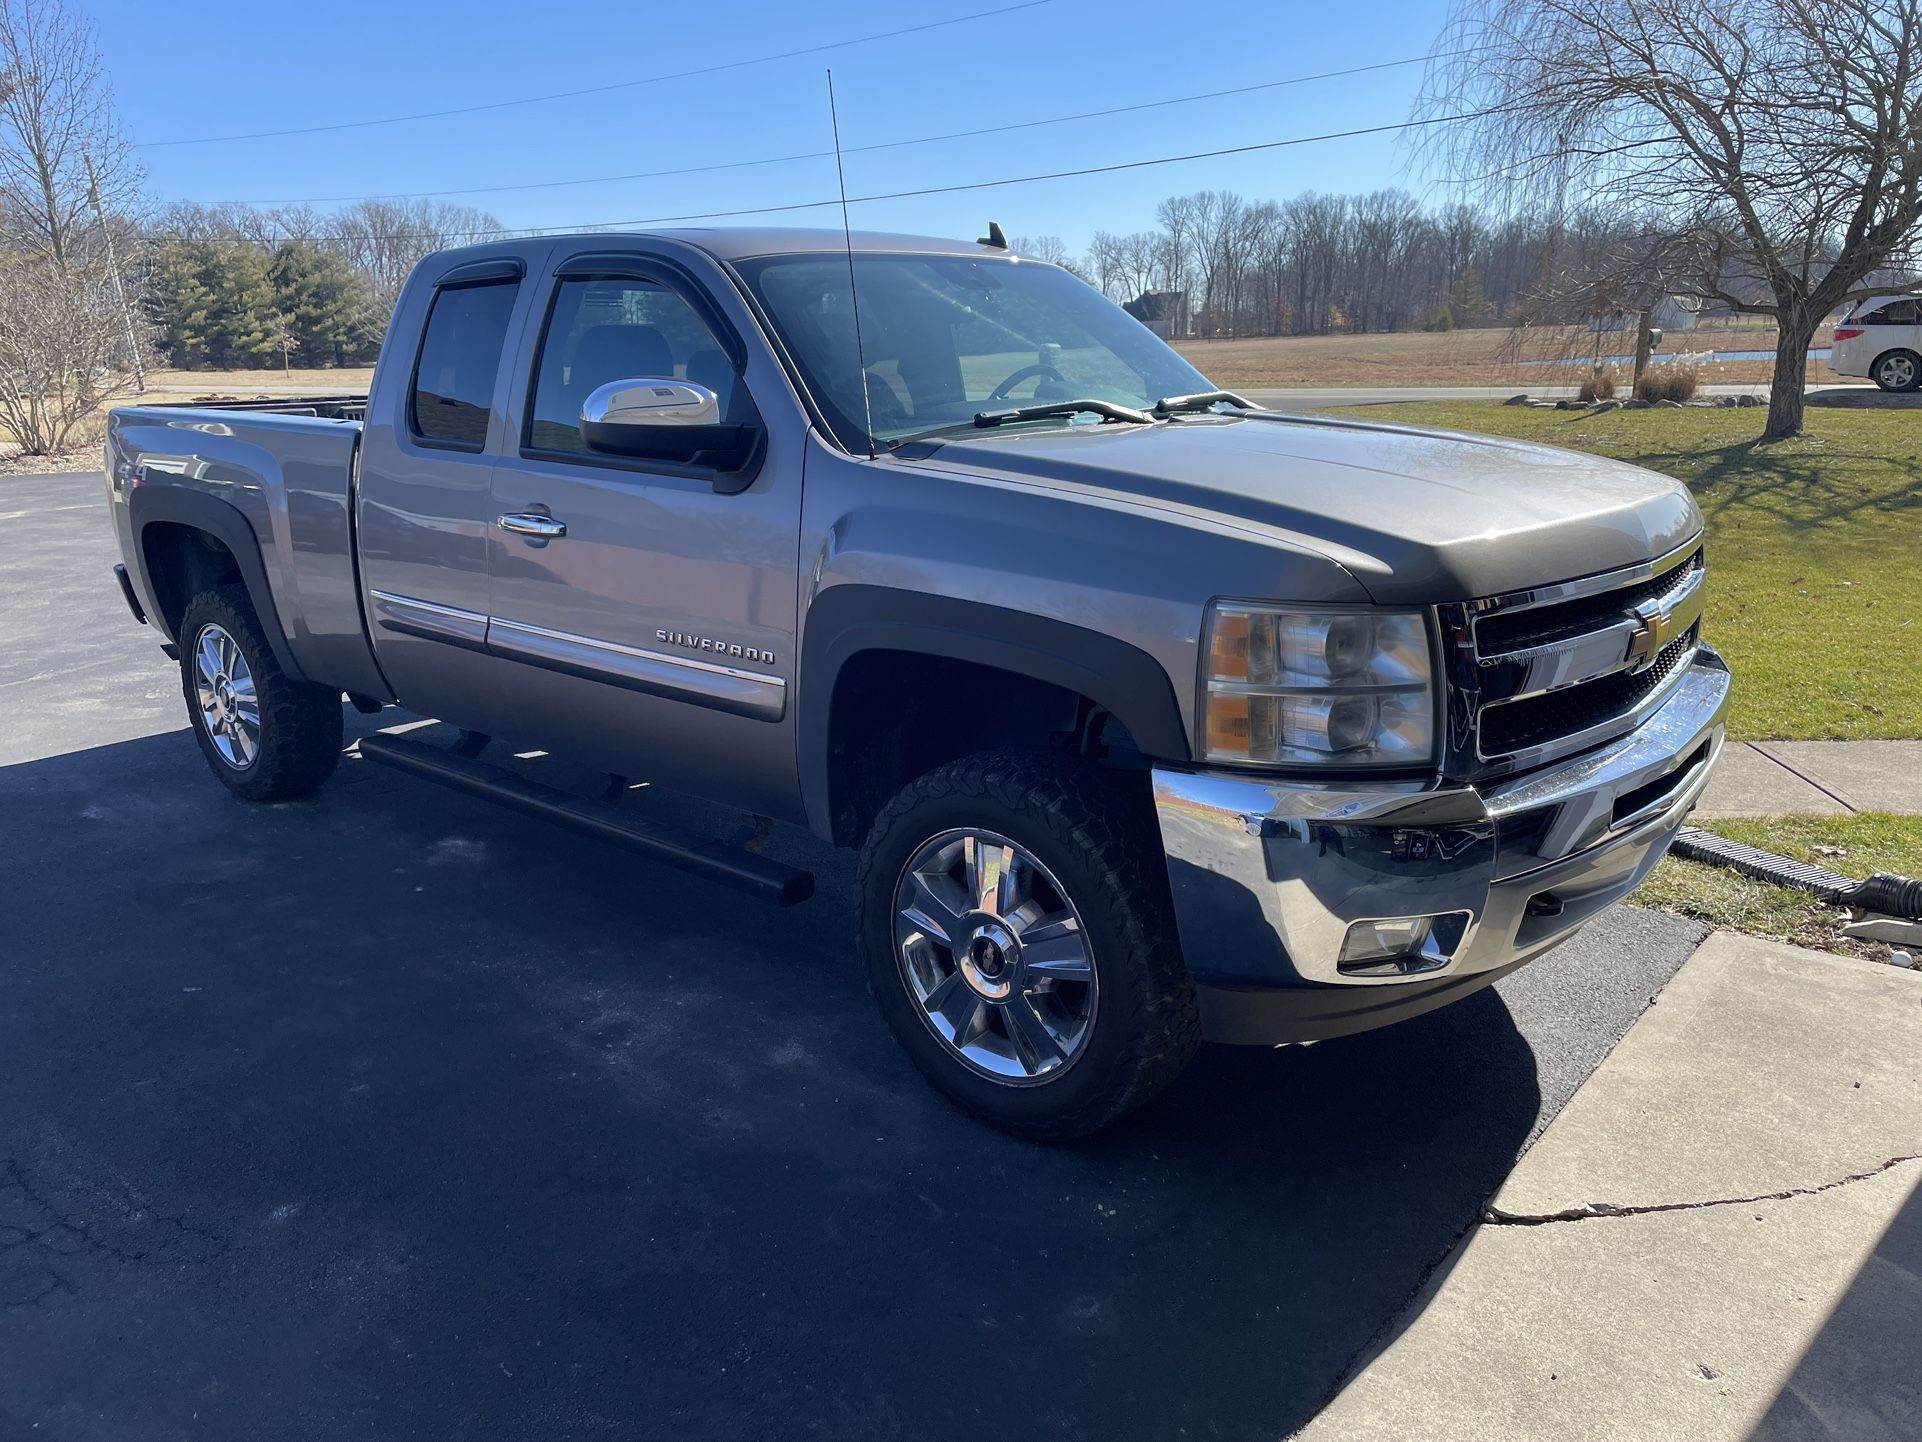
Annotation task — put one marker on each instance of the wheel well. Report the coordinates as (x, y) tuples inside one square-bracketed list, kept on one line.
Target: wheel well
[(182, 561), (897, 715)]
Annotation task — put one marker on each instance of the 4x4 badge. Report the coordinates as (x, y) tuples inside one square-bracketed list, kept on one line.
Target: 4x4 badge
[(1651, 636)]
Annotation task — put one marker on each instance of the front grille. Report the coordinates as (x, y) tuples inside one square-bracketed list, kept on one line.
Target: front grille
[(1541, 674), (1544, 625), (1517, 725)]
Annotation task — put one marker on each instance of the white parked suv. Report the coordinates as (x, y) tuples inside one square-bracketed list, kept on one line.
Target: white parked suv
[(1881, 338)]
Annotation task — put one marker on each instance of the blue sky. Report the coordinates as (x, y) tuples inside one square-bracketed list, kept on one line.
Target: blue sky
[(230, 67)]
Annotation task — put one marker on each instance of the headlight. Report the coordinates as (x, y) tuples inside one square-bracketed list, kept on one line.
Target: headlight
[(1342, 688)]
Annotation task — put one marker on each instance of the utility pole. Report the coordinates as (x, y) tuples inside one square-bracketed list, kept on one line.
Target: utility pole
[(113, 269)]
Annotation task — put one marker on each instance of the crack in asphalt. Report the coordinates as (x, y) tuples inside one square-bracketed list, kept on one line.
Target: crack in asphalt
[(47, 1227), (1493, 1216)]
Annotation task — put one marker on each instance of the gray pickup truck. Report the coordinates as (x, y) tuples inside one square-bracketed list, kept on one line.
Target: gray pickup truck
[(1155, 716)]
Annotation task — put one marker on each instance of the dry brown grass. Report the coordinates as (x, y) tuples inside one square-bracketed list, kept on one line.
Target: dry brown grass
[(1491, 357), (311, 381)]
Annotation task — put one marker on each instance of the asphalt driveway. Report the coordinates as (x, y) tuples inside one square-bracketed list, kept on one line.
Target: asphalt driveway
[(387, 1114)]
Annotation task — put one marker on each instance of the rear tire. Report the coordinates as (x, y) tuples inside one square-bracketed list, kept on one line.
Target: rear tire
[(1897, 370), (267, 736), (1058, 1003)]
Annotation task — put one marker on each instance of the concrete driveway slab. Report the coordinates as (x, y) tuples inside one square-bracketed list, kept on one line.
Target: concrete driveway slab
[(1767, 1322), (1719, 1238), (1761, 1068)]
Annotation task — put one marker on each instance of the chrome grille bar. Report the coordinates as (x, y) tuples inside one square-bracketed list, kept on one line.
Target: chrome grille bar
[(1547, 672)]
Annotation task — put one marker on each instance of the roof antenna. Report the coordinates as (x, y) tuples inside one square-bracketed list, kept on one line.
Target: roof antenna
[(994, 237), (847, 235)]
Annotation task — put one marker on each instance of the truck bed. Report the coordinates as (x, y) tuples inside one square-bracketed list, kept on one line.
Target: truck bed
[(279, 473)]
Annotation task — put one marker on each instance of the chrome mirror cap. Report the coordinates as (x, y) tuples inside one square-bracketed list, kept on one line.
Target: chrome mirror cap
[(647, 401)]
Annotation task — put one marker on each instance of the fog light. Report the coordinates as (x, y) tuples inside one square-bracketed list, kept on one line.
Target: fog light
[(1378, 940), (1402, 945)]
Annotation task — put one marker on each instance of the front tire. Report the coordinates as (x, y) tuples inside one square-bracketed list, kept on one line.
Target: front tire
[(1897, 370), (1016, 928), (267, 736)]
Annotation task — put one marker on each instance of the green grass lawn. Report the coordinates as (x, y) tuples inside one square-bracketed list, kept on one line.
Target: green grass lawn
[(1814, 550), (1851, 846)]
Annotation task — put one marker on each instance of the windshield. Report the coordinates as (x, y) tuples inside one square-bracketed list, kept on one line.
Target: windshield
[(947, 336)]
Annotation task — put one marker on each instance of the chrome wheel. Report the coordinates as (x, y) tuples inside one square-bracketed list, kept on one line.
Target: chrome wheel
[(1897, 372), (229, 705), (992, 950)]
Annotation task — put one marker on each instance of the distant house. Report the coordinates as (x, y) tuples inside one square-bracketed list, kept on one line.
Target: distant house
[(1165, 312)]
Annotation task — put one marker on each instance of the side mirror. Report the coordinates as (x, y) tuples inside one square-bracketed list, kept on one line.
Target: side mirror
[(665, 420)]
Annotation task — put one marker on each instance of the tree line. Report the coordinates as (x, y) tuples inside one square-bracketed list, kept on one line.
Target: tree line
[(232, 287), (1320, 264)]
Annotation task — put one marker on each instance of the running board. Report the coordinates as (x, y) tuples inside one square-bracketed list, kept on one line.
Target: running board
[(704, 855)]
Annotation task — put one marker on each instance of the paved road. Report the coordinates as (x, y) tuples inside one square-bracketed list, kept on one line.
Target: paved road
[(1301, 398), (391, 1115)]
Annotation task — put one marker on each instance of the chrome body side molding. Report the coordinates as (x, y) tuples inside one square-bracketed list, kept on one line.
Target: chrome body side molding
[(411, 616), (732, 689), (681, 678)]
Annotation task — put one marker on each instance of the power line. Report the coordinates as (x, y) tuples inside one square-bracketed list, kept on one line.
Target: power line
[(849, 150), (537, 231), (599, 89)]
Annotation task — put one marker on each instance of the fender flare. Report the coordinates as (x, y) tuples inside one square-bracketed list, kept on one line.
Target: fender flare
[(848, 619), (150, 505)]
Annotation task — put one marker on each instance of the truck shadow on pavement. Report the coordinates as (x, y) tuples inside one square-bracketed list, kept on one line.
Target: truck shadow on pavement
[(389, 1114)]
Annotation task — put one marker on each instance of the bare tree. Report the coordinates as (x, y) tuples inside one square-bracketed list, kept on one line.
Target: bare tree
[(61, 332), (383, 239), (1051, 248), (56, 110), (68, 337), (1780, 140)]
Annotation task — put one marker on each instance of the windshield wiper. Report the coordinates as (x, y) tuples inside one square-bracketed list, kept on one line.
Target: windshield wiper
[(988, 420), (1049, 409), (1199, 401)]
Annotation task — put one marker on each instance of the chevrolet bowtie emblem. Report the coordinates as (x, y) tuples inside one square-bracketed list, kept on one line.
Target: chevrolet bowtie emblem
[(1654, 630)]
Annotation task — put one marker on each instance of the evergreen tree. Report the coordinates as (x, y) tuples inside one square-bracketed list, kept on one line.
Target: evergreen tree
[(244, 323), (1468, 305), (324, 304), (180, 305), (212, 302)]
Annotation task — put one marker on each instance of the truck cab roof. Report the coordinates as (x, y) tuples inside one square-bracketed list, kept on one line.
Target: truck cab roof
[(747, 242)]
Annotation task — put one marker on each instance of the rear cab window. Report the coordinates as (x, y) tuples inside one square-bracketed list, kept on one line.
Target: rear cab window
[(450, 403)]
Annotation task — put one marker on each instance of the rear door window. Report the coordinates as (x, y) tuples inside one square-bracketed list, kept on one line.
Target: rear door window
[(460, 358), (620, 329)]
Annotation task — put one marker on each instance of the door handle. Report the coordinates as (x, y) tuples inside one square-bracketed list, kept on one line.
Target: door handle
[(527, 523)]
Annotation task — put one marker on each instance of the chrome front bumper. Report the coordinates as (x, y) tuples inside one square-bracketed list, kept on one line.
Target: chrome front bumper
[(1268, 876)]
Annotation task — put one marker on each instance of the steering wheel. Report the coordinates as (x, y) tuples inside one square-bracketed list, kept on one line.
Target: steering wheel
[(1000, 392)]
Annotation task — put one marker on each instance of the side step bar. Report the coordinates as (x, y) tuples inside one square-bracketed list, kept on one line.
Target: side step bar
[(766, 878)]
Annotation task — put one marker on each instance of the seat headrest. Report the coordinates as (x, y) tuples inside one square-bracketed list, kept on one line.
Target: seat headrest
[(617, 353)]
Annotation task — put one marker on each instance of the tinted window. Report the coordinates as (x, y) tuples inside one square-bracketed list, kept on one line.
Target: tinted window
[(1899, 312), (620, 330), (459, 358), (943, 337)]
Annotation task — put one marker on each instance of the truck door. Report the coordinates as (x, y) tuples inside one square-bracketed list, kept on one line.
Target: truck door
[(644, 611), (425, 503)]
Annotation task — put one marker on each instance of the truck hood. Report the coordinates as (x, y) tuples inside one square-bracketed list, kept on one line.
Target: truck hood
[(1418, 516)]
